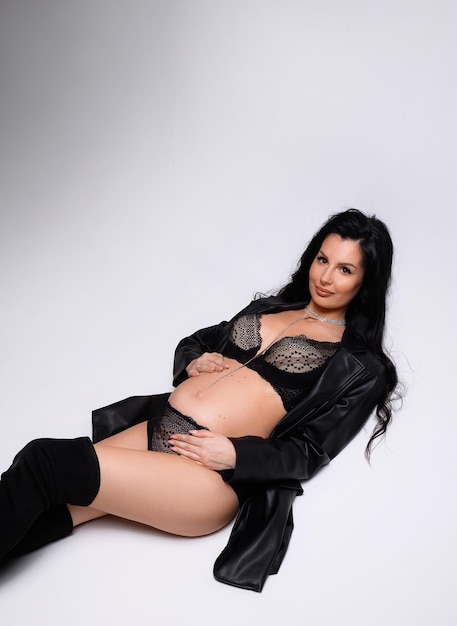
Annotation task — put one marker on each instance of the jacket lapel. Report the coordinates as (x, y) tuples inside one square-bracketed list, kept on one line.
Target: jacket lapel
[(341, 370)]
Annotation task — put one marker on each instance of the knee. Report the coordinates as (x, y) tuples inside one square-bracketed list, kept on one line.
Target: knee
[(34, 450)]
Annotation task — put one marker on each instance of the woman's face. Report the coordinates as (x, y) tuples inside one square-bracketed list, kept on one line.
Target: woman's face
[(335, 276)]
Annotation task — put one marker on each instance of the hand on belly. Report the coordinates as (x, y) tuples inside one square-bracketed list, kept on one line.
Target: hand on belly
[(236, 405)]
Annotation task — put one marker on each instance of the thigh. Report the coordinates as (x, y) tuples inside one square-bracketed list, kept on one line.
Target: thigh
[(162, 490), (135, 437)]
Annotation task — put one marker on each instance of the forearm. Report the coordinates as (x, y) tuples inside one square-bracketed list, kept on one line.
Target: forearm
[(269, 460), (314, 441), (211, 339)]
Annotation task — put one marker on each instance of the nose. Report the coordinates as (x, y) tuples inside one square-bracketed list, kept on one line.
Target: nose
[(326, 276)]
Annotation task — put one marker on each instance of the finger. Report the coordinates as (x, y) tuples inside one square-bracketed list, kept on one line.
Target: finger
[(190, 449), (203, 365), (202, 432), (219, 356), (218, 360), (208, 357), (184, 437), (183, 442), (187, 454), (209, 365), (191, 438)]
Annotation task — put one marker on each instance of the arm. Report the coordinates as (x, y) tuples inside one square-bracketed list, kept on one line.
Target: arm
[(211, 339), (320, 436), (317, 436)]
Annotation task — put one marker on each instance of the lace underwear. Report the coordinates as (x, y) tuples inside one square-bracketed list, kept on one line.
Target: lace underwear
[(161, 428), (292, 365)]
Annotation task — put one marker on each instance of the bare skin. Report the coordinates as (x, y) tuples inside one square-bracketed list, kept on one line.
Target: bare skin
[(174, 493), (164, 491), (180, 493)]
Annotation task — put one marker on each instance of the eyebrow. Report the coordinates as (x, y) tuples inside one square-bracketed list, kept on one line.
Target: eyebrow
[(342, 263)]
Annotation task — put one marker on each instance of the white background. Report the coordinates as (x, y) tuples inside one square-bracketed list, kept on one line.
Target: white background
[(161, 161)]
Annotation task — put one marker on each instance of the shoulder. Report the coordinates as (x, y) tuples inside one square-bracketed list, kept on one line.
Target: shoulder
[(271, 304)]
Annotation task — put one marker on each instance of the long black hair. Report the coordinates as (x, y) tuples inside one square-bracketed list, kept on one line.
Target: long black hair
[(366, 313)]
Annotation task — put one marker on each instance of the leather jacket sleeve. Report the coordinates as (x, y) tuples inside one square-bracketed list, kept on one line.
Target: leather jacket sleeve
[(263, 526), (210, 339)]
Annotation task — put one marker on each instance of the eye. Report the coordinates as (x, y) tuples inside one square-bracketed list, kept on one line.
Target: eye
[(321, 259), (346, 270)]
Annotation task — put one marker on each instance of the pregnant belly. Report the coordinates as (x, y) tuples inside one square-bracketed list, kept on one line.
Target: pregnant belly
[(240, 404)]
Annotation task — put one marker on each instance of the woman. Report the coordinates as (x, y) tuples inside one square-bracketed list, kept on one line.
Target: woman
[(261, 402)]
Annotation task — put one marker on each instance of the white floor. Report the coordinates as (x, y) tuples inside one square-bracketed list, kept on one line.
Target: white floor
[(160, 163)]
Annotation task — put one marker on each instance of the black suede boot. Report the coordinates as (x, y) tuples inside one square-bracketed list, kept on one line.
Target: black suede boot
[(45, 474), (48, 527)]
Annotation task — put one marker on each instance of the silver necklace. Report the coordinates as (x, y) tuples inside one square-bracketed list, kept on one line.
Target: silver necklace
[(324, 319)]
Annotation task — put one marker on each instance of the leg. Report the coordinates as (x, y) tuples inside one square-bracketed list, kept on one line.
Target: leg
[(135, 438), (161, 490), (164, 491), (45, 475), (54, 524), (58, 521)]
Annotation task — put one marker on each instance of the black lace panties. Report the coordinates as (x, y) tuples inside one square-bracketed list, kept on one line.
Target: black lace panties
[(161, 428)]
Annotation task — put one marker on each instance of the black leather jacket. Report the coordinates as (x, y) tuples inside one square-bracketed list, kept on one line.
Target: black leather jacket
[(270, 470)]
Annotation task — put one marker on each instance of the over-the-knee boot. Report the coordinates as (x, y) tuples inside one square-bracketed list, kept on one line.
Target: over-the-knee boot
[(45, 474), (48, 527)]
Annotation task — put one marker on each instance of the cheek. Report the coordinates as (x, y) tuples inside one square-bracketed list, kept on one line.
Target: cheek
[(355, 288), (312, 272), (348, 288)]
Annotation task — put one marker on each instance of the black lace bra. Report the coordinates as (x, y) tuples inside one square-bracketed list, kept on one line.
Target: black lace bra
[(291, 365)]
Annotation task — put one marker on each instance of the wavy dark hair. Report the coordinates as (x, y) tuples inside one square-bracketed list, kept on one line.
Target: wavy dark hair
[(365, 316)]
